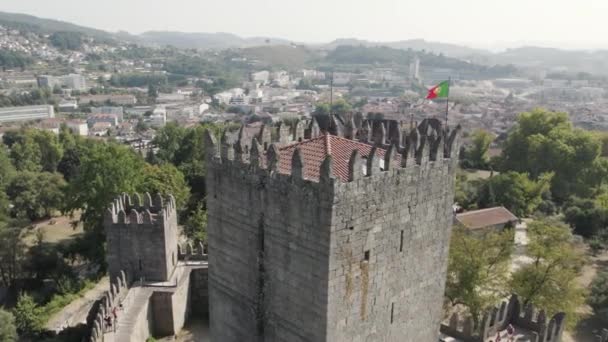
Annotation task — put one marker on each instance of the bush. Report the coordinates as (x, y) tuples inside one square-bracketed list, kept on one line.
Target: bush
[(598, 297), (28, 315), (8, 330)]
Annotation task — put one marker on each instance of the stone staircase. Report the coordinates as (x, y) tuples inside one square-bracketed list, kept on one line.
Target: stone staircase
[(137, 299)]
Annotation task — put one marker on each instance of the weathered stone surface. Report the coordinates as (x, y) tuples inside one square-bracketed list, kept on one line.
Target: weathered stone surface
[(295, 260)]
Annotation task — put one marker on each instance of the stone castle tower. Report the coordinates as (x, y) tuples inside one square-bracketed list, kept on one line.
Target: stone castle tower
[(329, 238), (141, 237)]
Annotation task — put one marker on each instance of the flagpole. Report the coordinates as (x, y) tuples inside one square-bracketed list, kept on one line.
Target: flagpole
[(447, 101)]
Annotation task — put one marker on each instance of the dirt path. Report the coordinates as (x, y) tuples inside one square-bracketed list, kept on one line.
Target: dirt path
[(76, 312), (589, 324)]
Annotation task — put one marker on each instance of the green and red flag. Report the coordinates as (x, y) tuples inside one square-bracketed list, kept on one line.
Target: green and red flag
[(440, 90)]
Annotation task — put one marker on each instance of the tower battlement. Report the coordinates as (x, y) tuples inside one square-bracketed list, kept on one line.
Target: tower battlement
[(145, 210), (141, 233), (315, 159)]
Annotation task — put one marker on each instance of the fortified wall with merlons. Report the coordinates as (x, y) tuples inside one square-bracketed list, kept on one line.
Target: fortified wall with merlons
[(337, 233)]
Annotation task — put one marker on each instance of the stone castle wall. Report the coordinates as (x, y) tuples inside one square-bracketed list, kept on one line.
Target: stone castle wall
[(268, 253), (296, 260), (390, 237)]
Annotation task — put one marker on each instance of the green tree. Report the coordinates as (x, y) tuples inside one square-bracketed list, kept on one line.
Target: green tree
[(185, 149), (8, 330), (28, 315), (35, 195), (70, 162), (478, 269), (321, 109), (7, 170), (165, 179), (466, 192), (586, 216), (550, 281), (25, 154), (476, 154), (35, 150), (168, 139), (12, 251), (598, 296), (544, 141), (66, 40), (106, 170), (51, 149), (515, 191), (196, 224), (339, 107)]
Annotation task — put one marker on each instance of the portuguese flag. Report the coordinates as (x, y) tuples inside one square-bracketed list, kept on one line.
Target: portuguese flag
[(440, 90)]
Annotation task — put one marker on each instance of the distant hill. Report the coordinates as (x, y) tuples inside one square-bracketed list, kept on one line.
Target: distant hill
[(451, 50), (283, 53), (218, 40), (595, 62), (34, 24), (285, 56)]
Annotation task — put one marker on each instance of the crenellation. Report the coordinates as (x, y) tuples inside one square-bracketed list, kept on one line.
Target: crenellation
[(297, 165), (273, 158), (354, 167), (255, 156), (325, 170), (499, 317), (372, 163)]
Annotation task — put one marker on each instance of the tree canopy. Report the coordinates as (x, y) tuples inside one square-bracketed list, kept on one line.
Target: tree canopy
[(549, 282), (544, 141), (598, 297), (476, 154), (478, 269), (8, 331), (515, 191)]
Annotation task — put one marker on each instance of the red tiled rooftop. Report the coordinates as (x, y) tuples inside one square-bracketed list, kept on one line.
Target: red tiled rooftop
[(314, 151), (477, 219)]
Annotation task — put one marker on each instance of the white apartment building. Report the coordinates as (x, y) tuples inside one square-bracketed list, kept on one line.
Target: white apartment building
[(24, 113)]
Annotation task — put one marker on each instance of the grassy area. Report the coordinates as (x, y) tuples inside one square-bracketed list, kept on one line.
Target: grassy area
[(56, 230)]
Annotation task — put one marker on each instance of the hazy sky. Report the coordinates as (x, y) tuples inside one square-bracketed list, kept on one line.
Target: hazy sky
[(482, 23)]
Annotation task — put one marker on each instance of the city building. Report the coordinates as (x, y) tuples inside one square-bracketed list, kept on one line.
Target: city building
[(121, 100), (67, 106), (158, 117), (78, 127), (168, 98), (118, 111), (415, 69), (71, 81), (92, 119), (24, 113), (260, 77)]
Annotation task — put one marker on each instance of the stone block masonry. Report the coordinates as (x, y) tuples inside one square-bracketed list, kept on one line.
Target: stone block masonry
[(351, 255), (141, 235)]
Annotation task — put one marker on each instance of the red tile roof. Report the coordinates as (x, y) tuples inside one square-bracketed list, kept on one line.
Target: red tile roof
[(314, 151), (477, 219)]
